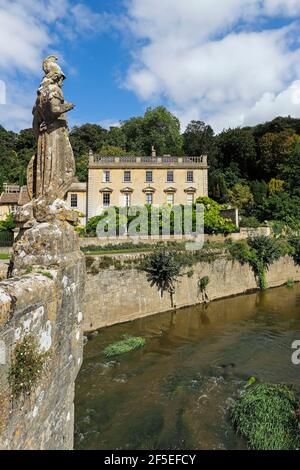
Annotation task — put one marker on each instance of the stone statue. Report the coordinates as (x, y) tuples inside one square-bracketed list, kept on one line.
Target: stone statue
[(46, 238), (51, 171)]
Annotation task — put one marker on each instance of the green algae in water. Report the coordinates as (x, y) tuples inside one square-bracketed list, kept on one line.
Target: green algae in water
[(126, 345), (267, 416)]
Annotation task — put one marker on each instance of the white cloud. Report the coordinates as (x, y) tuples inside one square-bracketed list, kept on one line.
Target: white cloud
[(29, 30), (107, 123), (215, 60)]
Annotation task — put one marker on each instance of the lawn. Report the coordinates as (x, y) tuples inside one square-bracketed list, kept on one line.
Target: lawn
[(5, 256)]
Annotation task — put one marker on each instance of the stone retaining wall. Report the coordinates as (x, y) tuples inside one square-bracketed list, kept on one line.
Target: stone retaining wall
[(114, 296)]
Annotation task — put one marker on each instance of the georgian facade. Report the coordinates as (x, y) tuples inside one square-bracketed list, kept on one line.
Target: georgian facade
[(135, 181)]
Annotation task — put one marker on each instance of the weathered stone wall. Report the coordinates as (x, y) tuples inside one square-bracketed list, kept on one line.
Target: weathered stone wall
[(118, 296), (46, 305), (243, 234)]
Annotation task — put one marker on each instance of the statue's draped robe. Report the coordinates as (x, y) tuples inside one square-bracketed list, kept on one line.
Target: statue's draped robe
[(52, 170)]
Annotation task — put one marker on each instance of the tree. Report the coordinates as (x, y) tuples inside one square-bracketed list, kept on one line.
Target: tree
[(218, 187), (259, 190), (116, 137), (198, 139), (290, 168), (213, 221), (83, 139), (273, 149), (158, 127), (237, 146), (133, 131), (281, 206), (162, 271), (275, 186), (240, 196), (112, 151)]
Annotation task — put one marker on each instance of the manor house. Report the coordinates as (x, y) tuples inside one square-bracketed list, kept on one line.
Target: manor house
[(136, 181)]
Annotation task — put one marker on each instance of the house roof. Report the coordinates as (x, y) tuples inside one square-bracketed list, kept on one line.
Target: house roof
[(9, 198), (78, 187)]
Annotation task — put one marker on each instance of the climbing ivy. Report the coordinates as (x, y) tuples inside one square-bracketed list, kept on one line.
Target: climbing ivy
[(260, 253)]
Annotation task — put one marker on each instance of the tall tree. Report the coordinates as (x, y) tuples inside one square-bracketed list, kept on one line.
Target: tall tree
[(238, 146), (116, 137), (158, 127)]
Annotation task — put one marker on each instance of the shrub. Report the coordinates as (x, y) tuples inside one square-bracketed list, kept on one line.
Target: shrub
[(127, 344), (203, 283), (295, 243), (267, 416), (251, 222), (260, 253), (162, 270), (26, 367), (213, 221)]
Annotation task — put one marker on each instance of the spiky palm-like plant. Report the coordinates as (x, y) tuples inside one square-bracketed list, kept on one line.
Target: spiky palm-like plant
[(162, 270)]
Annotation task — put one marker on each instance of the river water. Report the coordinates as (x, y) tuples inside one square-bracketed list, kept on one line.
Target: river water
[(175, 392)]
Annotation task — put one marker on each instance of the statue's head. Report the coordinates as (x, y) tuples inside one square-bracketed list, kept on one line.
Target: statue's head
[(51, 59), (51, 68)]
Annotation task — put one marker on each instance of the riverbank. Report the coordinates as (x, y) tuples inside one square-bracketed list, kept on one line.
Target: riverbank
[(115, 296)]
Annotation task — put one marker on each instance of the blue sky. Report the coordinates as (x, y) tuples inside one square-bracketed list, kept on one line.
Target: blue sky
[(230, 63)]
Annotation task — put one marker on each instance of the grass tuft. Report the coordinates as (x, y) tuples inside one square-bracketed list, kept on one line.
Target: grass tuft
[(126, 345), (267, 416)]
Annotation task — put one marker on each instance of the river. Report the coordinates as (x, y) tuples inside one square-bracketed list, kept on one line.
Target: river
[(174, 393)]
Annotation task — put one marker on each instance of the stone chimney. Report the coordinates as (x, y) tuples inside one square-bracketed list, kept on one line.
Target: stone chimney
[(91, 157), (153, 151)]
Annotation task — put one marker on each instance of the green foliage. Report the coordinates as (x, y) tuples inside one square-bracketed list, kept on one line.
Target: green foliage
[(290, 283), (163, 270), (116, 137), (112, 151), (7, 225), (259, 190), (5, 256), (213, 221), (157, 127), (46, 274), (275, 186), (26, 367), (260, 253), (290, 168), (236, 157), (295, 243), (267, 416), (240, 196), (251, 381), (203, 283), (237, 146), (218, 186), (126, 345), (281, 207), (272, 148), (199, 139), (251, 222)]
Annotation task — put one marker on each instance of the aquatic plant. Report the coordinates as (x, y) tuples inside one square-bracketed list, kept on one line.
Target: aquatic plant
[(290, 283), (127, 344), (267, 416)]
